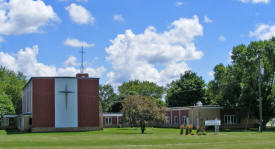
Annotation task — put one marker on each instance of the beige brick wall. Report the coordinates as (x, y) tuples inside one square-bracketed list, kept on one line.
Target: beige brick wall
[(23, 122), (202, 114)]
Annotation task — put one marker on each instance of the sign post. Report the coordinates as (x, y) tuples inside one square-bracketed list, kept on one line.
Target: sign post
[(215, 123)]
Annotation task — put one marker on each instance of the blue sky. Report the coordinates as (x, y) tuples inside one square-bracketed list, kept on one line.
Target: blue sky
[(128, 39)]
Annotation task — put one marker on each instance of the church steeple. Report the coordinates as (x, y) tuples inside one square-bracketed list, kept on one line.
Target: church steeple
[(82, 65), (82, 74)]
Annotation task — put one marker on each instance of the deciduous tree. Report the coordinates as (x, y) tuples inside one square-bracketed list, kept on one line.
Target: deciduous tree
[(186, 91), (11, 85), (144, 88), (107, 97), (236, 85), (140, 110)]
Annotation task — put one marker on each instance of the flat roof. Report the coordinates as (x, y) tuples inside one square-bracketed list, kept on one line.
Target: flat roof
[(192, 107), (10, 115), (89, 78), (112, 114)]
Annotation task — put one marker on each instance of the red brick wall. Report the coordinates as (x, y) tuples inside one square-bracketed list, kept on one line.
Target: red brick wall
[(179, 113), (114, 120), (43, 103), (88, 102)]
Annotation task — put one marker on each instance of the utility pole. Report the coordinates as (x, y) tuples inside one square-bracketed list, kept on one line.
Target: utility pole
[(260, 95)]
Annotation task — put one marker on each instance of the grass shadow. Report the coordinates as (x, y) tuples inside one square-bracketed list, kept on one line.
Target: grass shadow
[(15, 132), (128, 128), (134, 130), (135, 133), (267, 129)]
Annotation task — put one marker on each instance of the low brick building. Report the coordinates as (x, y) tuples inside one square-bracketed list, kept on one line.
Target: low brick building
[(191, 115), (8, 121), (112, 119), (197, 115)]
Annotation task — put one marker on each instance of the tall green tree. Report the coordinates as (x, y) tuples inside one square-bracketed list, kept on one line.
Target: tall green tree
[(236, 85), (144, 88), (186, 91), (140, 110), (107, 97), (11, 85), (224, 90), (6, 106)]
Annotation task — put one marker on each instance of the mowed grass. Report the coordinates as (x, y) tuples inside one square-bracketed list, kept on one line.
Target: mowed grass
[(117, 138)]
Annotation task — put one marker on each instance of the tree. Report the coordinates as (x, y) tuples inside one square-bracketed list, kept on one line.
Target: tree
[(236, 85), (141, 110), (224, 90), (144, 88), (107, 97), (11, 85), (186, 91), (6, 106)]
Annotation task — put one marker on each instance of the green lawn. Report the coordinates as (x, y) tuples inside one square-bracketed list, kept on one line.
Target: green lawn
[(117, 138)]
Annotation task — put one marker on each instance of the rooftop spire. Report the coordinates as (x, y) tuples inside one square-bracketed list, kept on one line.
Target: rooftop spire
[(82, 65)]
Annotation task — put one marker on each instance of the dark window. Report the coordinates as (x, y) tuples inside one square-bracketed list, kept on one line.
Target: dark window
[(176, 120), (184, 120), (30, 121), (11, 121), (230, 119)]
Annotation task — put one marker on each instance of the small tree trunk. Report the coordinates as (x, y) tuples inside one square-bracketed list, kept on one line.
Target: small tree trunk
[(142, 126), (264, 124), (247, 119)]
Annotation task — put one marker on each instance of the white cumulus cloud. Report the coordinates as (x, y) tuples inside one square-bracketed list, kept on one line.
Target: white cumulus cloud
[(118, 17), (263, 32), (211, 74), (79, 14), (71, 61), (179, 3), (72, 42), (25, 60), (221, 38), (255, 1), (207, 20), (25, 16), (154, 56)]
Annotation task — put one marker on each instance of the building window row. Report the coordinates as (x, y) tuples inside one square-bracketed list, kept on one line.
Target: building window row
[(230, 119), (175, 120), (108, 121)]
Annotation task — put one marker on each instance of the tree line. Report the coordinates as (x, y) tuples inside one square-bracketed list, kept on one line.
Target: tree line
[(234, 86), (11, 85)]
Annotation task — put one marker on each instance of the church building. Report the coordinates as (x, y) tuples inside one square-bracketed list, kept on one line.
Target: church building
[(60, 104)]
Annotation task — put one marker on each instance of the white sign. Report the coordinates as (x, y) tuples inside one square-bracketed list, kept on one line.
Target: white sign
[(212, 122)]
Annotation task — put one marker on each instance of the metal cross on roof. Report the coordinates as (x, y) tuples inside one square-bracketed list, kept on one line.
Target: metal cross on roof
[(82, 65), (66, 92)]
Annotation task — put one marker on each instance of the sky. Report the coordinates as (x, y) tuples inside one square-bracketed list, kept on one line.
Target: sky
[(152, 40)]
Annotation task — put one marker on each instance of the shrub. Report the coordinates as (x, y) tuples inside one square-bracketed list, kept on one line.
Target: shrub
[(201, 133), (190, 128), (186, 131), (181, 129)]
